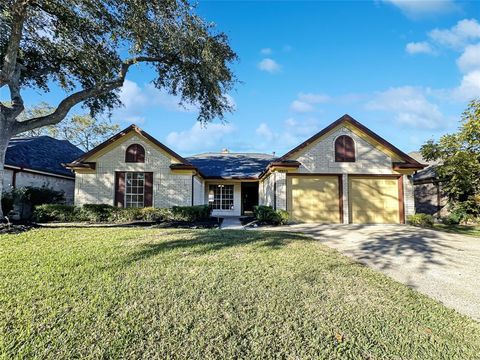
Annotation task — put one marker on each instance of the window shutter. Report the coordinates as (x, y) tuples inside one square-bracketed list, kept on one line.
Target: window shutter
[(120, 189), (340, 149), (148, 200), (349, 148)]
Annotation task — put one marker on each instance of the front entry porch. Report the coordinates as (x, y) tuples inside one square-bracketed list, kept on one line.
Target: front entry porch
[(231, 197)]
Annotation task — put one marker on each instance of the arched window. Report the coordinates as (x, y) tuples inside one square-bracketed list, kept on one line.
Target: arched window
[(344, 149), (135, 154)]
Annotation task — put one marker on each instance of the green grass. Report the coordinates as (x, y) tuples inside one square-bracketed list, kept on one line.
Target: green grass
[(460, 229), (210, 294)]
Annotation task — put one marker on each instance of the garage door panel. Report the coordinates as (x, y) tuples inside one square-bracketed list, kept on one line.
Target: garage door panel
[(314, 199), (374, 200)]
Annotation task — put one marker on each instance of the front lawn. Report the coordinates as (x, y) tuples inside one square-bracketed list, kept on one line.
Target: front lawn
[(209, 294), (460, 229)]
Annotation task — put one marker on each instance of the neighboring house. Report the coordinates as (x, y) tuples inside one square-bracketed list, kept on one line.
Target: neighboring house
[(37, 162), (429, 197), (343, 174)]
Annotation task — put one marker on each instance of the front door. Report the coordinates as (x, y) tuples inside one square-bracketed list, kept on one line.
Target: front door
[(249, 196)]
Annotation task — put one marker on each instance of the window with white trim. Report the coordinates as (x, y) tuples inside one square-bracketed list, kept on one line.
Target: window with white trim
[(134, 189), (222, 196)]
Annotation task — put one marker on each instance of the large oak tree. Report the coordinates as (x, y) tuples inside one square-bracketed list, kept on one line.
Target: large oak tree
[(86, 48)]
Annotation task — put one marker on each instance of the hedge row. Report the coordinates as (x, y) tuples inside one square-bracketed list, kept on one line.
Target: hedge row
[(107, 213)]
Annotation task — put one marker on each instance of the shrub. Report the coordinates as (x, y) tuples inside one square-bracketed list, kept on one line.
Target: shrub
[(157, 215), (452, 219), (266, 215), (97, 212), (7, 202), (423, 220), (55, 212), (283, 216), (191, 213)]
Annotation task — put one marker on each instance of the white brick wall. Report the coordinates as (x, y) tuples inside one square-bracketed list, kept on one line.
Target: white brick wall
[(24, 179), (169, 188), (409, 195)]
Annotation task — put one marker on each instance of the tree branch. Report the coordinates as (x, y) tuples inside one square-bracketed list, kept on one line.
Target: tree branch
[(11, 54), (70, 101)]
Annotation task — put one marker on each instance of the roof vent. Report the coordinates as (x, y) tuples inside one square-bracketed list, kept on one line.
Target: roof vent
[(225, 151), (273, 153)]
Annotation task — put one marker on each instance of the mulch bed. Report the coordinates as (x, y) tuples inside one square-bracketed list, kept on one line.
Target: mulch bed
[(14, 229), (212, 223)]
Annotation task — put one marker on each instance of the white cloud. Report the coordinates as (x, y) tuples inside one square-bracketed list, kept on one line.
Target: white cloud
[(422, 8), (269, 65), (200, 138), (266, 51), (419, 48), (470, 59), (301, 106), (469, 88), (291, 133), (305, 102), (264, 131), (410, 106), (312, 98), (457, 36)]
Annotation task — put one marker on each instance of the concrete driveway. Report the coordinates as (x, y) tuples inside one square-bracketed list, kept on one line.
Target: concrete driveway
[(441, 265)]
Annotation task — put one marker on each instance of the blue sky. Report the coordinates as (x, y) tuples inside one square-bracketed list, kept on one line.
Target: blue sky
[(405, 69)]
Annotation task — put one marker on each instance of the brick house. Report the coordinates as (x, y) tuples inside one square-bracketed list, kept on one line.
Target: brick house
[(343, 174)]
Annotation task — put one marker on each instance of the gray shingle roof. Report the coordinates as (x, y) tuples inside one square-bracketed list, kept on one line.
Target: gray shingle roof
[(42, 153), (429, 173), (231, 165)]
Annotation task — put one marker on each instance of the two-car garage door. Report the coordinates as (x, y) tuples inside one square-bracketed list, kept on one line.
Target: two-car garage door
[(371, 199)]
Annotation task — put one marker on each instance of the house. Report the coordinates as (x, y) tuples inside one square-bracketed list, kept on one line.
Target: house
[(37, 162), (429, 197), (343, 174)]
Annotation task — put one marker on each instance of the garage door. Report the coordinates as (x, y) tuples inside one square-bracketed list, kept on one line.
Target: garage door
[(314, 198), (374, 200)]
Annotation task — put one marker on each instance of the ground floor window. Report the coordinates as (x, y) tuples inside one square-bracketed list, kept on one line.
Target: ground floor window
[(222, 196), (135, 189)]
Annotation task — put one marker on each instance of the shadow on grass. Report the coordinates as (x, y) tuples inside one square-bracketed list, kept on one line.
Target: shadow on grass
[(207, 241)]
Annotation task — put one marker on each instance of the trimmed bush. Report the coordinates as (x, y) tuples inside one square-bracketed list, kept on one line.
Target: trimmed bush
[(423, 220), (266, 215), (284, 216), (191, 213), (97, 212), (55, 212), (452, 219)]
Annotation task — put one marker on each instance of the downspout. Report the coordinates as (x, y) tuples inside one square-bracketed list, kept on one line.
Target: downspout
[(193, 190), (274, 190)]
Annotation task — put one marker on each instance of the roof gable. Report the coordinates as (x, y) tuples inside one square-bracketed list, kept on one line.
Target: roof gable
[(361, 130), (121, 136)]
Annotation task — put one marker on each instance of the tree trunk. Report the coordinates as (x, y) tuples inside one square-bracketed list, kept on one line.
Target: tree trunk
[(6, 132)]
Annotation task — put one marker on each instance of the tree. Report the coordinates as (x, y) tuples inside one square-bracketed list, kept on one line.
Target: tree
[(459, 156), (82, 130), (86, 48)]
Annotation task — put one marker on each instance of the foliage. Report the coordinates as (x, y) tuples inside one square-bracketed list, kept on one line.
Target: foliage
[(55, 212), (284, 216), (470, 230), (7, 202), (98, 213), (81, 130), (82, 45), (136, 293), (459, 156), (266, 215), (191, 213), (423, 220), (38, 195)]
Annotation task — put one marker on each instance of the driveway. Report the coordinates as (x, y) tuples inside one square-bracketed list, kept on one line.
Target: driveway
[(441, 265)]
